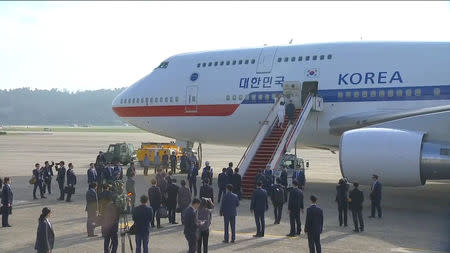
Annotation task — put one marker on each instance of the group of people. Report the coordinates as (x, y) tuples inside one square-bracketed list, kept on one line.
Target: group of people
[(186, 162), (42, 179), (353, 201)]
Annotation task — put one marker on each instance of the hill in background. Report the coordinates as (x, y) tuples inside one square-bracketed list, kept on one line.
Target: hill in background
[(54, 107)]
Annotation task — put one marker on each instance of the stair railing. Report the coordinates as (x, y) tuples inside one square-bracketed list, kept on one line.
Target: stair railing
[(252, 148)]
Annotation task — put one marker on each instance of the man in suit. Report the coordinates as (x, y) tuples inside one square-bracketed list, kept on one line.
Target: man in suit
[(284, 181), (270, 179), (7, 200), (48, 174), (165, 161), (206, 191), (236, 181), (207, 173), (258, 207), (290, 112), (191, 225), (222, 182), (91, 174), (191, 176), (38, 176), (295, 206), (142, 217), (91, 208), (299, 175), (278, 199), (229, 172), (71, 182), (342, 201), (61, 178), (172, 193), (110, 227), (154, 195), (118, 171), (260, 178), (375, 197), (173, 162), (314, 225), (356, 199), (228, 209)]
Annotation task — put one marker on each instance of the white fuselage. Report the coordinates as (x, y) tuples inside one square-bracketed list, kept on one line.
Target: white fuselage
[(201, 98)]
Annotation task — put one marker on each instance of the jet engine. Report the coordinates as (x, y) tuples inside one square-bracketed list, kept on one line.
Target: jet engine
[(398, 157)]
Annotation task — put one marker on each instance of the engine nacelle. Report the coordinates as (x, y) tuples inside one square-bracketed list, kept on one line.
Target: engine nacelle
[(394, 155)]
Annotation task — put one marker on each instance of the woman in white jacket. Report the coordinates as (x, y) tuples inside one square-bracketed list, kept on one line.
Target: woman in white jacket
[(281, 112)]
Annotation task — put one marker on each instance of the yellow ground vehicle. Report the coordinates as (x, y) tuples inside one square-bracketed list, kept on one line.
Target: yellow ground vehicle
[(157, 148)]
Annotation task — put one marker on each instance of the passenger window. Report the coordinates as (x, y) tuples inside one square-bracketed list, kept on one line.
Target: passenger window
[(364, 93), (356, 94), (121, 101), (161, 99), (134, 100), (146, 100), (340, 94), (292, 58), (171, 99), (399, 93), (253, 97), (198, 65), (381, 93), (221, 63), (216, 63), (437, 91), (241, 97), (408, 92), (151, 100), (300, 58), (329, 57), (129, 101), (253, 61), (142, 100), (176, 99), (228, 62), (260, 97), (417, 92), (322, 57), (246, 61), (348, 94), (240, 62), (314, 57), (390, 93), (156, 100), (228, 97), (234, 62), (307, 58), (247, 97), (204, 64), (166, 99), (209, 64), (286, 59), (373, 93), (279, 59), (267, 97), (193, 98), (234, 97)]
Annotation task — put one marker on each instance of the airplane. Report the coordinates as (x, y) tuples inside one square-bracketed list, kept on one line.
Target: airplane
[(386, 105)]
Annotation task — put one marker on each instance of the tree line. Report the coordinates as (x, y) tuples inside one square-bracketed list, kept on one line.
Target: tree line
[(24, 106)]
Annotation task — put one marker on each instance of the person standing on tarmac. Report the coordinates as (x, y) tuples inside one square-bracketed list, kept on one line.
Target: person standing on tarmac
[(91, 208), (165, 161), (157, 161), (48, 174), (184, 197), (278, 199), (222, 182), (130, 184), (146, 164), (207, 173), (173, 162), (110, 227), (284, 181), (314, 226), (154, 195), (91, 174), (38, 179), (142, 216), (342, 201), (192, 179), (375, 197), (295, 206), (236, 181), (71, 182), (61, 178), (172, 193), (356, 199), (258, 207)]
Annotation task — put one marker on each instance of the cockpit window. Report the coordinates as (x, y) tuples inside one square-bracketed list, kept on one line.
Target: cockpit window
[(163, 65)]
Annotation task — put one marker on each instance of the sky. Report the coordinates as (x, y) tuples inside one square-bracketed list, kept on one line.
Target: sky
[(95, 45)]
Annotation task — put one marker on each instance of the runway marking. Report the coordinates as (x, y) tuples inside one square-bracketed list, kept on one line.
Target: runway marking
[(412, 250)]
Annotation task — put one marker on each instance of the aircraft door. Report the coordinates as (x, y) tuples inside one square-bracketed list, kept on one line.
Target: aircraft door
[(265, 61), (191, 98), (292, 90), (309, 87)]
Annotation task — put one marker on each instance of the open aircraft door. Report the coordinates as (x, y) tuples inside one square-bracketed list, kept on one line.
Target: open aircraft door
[(191, 98), (265, 61)]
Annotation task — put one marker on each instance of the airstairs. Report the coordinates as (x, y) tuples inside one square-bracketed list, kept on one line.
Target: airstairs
[(272, 142)]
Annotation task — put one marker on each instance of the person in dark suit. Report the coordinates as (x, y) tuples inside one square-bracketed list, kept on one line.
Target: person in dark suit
[(236, 181), (284, 181), (91, 174), (71, 182), (229, 172), (342, 201), (258, 207), (295, 206), (117, 171), (207, 173), (61, 178), (48, 174), (356, 199), (260, 178), (270, 179), (110, 227), (45, 238), (278, 199), (222, 182), (206, 191), (172, 194), (38, 175), (155, 197), (314, 226), (173, 162), (228, 209), (375, 197), (191, 176), (142, 217), (7, 200), (103, 200), (290, 112), (299, 175), (191, 225), (91, 208)]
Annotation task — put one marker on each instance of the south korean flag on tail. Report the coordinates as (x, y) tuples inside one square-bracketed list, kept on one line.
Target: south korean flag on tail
[(312, 73)]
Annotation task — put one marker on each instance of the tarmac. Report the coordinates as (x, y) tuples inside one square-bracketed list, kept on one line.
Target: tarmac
[(414, 219)]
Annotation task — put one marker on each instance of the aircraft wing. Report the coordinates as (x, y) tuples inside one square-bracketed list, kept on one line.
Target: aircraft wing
[(344, 123)]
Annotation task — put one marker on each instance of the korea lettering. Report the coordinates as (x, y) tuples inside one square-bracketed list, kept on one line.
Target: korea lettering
[(257, 82)]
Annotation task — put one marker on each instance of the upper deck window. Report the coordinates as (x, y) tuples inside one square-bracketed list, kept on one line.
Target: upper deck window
[(163, 65)]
